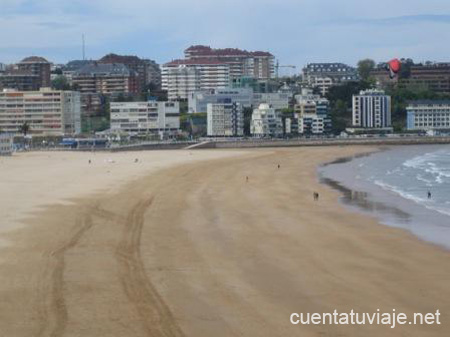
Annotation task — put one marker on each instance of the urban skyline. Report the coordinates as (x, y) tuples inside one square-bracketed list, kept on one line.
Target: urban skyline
[(296, 32)]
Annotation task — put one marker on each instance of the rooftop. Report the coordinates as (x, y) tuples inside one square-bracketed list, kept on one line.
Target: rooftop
[(430, 102), (104, 69), (34, 59), (208, 51), (114, 58), (197, 61)]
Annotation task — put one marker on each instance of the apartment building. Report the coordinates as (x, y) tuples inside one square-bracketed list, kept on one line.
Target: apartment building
[(312, 113), (133, 63), (6, 144), (266, 122), (153, 73), (37, 66), (199, 100), (180, 82), (46, 112), (325, 75), (22, 80), (371, 109), (427, 115), (182, 77), (145, 117), (73, 66), (105, 79), (435, 76), (242, 63), (225, 119)]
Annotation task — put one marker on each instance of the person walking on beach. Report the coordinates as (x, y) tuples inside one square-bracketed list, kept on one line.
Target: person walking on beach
[(246, 179), (429, 195), (316, 196), (279, 166)]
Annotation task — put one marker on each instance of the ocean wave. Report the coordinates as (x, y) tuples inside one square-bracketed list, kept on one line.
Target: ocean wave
[(435, 164), (397, 190), (426, 181), (418, 200)]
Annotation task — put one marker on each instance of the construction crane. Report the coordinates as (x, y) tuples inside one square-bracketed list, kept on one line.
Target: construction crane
[(278, 66)]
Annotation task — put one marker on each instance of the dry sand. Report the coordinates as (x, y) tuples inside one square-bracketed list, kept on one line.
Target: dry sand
[(179, 246)]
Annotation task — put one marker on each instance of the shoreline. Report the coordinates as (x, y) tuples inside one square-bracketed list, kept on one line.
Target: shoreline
[(367, 198), (195, 250)]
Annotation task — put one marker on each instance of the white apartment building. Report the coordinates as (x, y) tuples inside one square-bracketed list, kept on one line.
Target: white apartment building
[(46, 112), (182, 77), (199, 100), (145, 117), (180, 81), (256, 64), (372, 109), (428, 115), (266, 122), (312, 124), (225, 119), (276, 100), (6, 144)]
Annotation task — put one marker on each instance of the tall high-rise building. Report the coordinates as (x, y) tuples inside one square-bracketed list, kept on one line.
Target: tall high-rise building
[(257, 64), (46, 112), (37, 66), (372, 109), (217, 68), (182, 77)]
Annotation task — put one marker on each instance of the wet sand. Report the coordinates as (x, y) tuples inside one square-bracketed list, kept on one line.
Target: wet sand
[(187, 247)]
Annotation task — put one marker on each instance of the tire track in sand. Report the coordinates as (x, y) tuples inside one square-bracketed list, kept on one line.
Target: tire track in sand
[(155, 315), (52, 311)]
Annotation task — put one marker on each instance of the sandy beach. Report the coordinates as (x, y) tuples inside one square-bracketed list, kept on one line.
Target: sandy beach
[(181, 244)]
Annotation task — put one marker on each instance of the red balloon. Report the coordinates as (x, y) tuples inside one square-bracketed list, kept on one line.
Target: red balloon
[(395, 65)]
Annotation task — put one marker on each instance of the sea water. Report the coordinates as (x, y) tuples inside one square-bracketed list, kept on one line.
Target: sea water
[(405, 186)]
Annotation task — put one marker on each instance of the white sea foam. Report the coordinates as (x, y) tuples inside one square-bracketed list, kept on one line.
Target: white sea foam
[(418, 200), (397, 190)]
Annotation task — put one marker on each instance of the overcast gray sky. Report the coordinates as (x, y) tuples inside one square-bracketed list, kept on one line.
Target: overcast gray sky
[(295, 31)]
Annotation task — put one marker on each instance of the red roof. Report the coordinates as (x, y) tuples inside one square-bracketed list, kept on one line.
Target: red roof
[(34, 59), (208, 51), (197, 61), (114, 58)]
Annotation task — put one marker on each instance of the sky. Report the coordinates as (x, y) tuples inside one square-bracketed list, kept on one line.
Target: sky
[(297, 32)]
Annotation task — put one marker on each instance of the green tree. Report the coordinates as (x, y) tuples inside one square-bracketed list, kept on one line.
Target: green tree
[(365, 67), (60, 83), (24, 128)]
